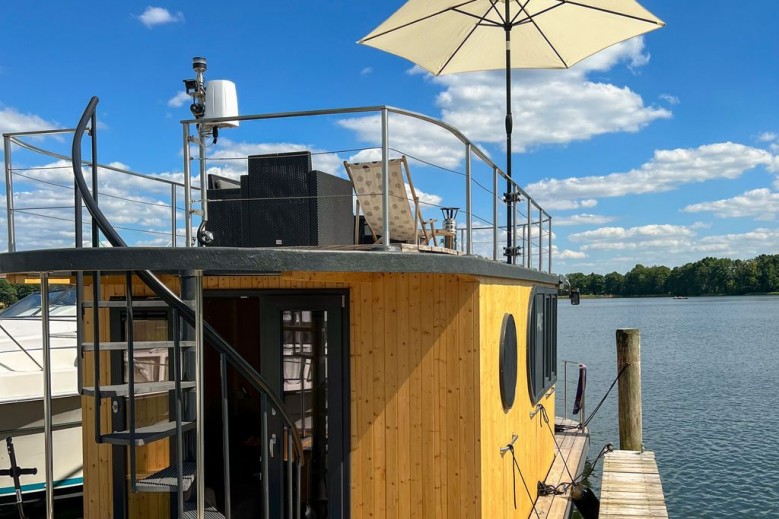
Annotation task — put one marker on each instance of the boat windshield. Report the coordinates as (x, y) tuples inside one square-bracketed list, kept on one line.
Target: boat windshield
[(61, 303)]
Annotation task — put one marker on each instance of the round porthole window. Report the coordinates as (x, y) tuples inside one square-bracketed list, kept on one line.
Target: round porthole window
[(508, 361)]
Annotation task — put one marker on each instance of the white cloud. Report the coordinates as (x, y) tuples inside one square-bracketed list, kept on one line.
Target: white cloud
[(549, 106), (762, 204), (159, 16), (12, 121), (582, 219), (744, 245), (566, 205), (620, 238), (767, 137), (412, 137), (230, 159), (620, 249), (569, 254), (670, 99), (432, 201), (366, 71), (179, 100), (667, 170)]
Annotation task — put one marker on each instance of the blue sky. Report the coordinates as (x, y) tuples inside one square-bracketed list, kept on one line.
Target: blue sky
[(661, 150)]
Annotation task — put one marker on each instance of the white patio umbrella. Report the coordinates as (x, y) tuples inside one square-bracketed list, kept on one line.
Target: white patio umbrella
[(451, 36)]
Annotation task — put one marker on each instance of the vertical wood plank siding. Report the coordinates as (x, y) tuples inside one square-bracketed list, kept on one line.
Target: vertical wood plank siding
[(535, 447), (426, 416)]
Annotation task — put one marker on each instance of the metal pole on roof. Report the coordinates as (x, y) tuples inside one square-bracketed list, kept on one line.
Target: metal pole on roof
[(550, 244), (200, 448), (529, 243), (540, 239), (173, 215), (495, 226), (385, 176), (468, 205), (187, 190), (47, 421), (9, 193), (509, 127)]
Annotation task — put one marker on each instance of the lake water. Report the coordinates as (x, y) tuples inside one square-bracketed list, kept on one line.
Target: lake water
[(710, 382)]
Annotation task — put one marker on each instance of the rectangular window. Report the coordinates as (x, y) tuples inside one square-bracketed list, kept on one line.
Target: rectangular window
[(542, 342)]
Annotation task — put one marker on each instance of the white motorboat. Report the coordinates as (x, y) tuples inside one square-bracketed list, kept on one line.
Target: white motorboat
[(21, 392)]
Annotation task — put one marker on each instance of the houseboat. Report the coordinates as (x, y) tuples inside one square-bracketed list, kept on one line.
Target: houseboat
[(324, 347)]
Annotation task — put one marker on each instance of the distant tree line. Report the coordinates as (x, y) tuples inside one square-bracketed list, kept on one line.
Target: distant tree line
[(11, 293), (709, 276)]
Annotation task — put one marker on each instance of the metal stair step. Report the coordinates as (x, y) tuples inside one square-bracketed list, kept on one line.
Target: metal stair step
[(146, 435), (138, 345), (166, 480), (141, 388), (190, 512), (140, 303)]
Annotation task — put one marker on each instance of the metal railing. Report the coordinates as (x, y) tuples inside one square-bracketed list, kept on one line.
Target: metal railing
[(531, 230), (485, 203), (565, 393), (17, 139)]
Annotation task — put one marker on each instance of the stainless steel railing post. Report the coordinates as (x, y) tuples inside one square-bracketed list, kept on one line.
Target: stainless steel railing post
[(495, 226), (9, 193), (187, 189), (47, 421), (225, 434), (529, 243), (200, 397), (173, 215), (540, 240), (514, 221), (468, 200), (290, 492), (549, 242), (385, 176), (565, 389), (265, 454)]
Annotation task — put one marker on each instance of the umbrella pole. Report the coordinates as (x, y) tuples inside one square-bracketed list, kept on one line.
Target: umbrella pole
[(509, 126)]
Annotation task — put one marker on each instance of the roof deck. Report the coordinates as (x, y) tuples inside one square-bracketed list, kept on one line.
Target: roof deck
[(459, 199)]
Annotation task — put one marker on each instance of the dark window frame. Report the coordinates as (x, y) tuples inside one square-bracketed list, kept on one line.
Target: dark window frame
[(541, 342)]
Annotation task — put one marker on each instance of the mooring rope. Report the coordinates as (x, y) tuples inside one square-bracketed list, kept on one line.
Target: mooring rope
[(514, 469), (597, 407), (562, 487), (545, 418)]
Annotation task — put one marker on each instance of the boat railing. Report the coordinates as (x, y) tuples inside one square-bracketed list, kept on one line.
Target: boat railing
[(159, 202), (448, 168), (582, 416), (495, 218)]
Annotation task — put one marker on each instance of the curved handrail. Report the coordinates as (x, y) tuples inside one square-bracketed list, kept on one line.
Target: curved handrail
[(220, 344)]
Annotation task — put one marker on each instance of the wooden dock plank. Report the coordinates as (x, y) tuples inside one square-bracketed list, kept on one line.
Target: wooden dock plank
[(573, 445), (631, 486)]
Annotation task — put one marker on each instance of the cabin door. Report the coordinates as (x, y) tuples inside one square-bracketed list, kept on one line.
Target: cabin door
[(304, 355)]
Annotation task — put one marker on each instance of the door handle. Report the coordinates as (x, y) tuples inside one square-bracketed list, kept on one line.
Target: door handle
[(271, 445)]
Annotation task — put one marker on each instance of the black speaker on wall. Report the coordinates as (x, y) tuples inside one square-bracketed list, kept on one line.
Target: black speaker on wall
[(283, 203)]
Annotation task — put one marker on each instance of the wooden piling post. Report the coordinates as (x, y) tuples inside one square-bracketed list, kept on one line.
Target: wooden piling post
[(630, 413)]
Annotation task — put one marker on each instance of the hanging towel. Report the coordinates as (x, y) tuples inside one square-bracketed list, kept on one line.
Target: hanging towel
[(581, 386)]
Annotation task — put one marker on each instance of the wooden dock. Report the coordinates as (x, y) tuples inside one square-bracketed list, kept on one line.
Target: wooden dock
[(631, 486), (573, 452)]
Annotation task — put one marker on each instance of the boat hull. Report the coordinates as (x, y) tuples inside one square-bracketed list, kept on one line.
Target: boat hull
[(23, 421)]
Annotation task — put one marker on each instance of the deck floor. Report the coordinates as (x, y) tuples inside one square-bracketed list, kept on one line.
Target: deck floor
[(573, 450), (401, 247), (631, 486)]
